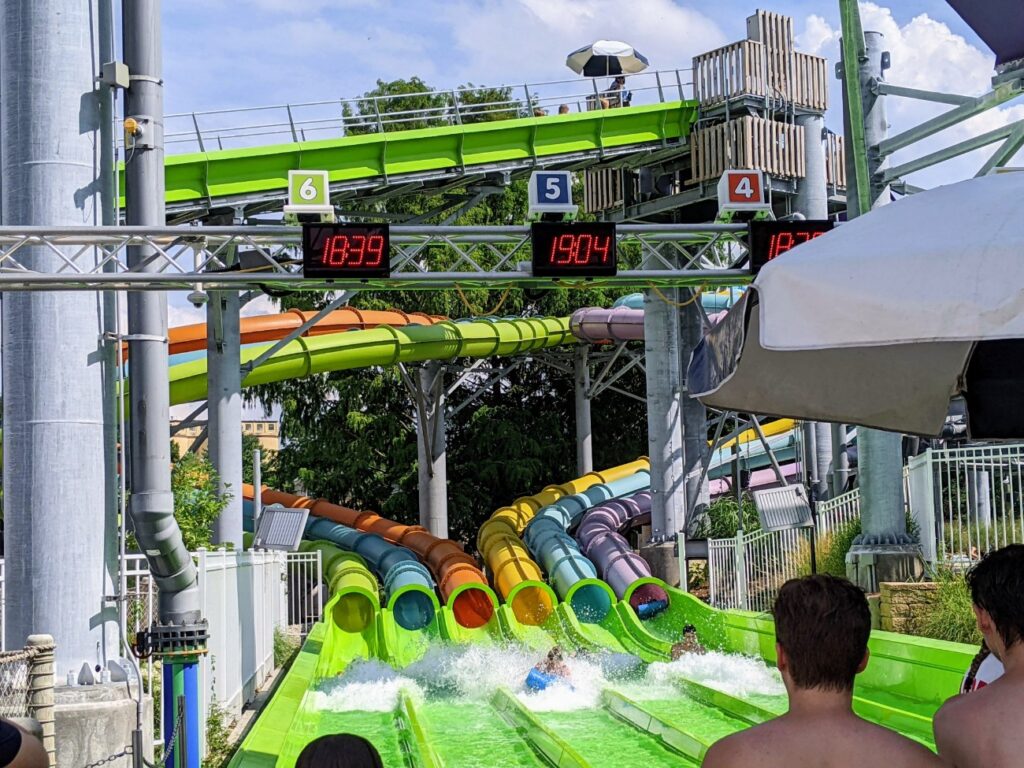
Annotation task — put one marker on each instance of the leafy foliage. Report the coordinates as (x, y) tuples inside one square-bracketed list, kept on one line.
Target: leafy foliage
[(953, 617), (196, 502), (722, 518)]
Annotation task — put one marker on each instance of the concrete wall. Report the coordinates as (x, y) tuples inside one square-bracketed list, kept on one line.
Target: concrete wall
[(93, 722), (904, 606)]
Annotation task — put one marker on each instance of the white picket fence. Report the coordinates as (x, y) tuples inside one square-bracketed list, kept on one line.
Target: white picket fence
[(746, 571), (245, 597), (965, 501)]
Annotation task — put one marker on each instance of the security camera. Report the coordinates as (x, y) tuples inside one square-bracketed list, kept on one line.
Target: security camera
[(198, 298)]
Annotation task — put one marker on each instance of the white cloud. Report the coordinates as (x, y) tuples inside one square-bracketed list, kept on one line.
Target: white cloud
[(517, 40), (928, 55)]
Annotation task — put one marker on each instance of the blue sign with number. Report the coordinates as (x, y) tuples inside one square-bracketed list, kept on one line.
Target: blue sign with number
[(552, 188)]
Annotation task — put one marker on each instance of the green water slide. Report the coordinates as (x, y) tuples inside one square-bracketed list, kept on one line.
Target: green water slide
[(905, 682), (218, 177)]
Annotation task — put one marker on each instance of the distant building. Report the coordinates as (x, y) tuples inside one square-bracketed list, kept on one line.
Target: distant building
[(267, 432)]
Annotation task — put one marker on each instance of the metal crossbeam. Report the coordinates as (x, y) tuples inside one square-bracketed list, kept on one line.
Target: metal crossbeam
[(423, 258)]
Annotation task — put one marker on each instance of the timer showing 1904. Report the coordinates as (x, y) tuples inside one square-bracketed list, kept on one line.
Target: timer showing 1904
[(336, 251), (578, 249)]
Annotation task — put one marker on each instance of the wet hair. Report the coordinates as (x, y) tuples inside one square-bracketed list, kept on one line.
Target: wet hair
[(555, 654), (689, 629), (972, 671), (997, 585), (822, 623), (340, 750)]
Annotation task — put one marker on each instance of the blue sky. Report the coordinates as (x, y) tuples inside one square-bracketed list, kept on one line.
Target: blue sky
[(222, 53)]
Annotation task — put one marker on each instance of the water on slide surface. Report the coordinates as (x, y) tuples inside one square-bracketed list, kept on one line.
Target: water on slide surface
[(451, 688)]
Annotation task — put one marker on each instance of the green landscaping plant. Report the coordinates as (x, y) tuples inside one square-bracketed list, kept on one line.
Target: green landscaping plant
[(953, 617)]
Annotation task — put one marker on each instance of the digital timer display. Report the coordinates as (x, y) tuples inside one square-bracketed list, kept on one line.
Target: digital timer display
[(770, 239), (574, 249), (346, 250)]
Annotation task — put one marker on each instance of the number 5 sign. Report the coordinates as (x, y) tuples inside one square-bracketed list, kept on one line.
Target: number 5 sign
[(551, 192), (742, 191)]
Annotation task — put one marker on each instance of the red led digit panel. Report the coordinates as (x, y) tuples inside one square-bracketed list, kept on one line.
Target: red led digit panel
[(770, 239), (577, 249), (346, 250)]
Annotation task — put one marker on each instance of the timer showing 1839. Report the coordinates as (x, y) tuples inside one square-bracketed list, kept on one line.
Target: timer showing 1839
[(346, 250)]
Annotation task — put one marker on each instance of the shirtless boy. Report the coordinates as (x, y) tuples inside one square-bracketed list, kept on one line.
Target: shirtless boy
[(986, 726), (821, 640)]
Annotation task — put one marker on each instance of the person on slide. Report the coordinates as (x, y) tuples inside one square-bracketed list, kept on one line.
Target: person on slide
[(986, 726), (554, 664), (822, 624), (688, 644)]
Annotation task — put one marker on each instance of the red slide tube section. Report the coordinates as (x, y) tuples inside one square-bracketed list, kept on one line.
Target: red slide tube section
[(463, 585)]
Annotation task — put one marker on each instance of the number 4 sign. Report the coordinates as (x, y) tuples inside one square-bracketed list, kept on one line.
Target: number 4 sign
[(742, 191)]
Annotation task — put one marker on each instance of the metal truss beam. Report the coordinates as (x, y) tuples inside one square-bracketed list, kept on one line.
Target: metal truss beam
[(95, 258)]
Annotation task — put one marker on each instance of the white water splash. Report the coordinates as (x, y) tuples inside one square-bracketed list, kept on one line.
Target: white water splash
[(732, 673), (369, 686)]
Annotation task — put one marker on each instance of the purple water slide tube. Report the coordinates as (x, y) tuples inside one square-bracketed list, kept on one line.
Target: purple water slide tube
[(596, 324), (762, 478), (600, 541)]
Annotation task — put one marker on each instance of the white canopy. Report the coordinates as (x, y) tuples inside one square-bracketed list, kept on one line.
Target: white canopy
[(884, 320)]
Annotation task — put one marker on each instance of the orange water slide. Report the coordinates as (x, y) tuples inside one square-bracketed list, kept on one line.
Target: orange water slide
[(462, 584), (190, 338)]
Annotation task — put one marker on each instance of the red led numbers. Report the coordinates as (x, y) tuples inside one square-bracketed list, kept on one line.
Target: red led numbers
[(336, 251), (353, 251), (578, 249), (768, 240)]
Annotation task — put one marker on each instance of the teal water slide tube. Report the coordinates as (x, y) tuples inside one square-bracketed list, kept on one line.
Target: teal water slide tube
[(573, 576)]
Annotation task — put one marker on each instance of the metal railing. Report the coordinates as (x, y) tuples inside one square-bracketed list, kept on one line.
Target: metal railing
[(305, 601), (317, 120), (975, 496), (746, 571)]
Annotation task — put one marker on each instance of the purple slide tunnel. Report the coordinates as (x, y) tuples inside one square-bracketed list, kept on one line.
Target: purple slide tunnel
[(601, 542)]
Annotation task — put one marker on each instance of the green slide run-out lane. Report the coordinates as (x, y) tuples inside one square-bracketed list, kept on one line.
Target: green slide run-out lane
[(223, 174), (906, 681)]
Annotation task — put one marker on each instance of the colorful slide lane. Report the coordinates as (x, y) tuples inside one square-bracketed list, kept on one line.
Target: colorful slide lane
[(906, 680)]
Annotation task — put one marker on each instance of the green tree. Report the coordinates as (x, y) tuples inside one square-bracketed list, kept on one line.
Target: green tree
[(480, 104), (251, 444), (396, 105)]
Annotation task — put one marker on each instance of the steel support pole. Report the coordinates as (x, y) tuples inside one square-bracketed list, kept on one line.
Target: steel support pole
[(840, 459), (883, 551), (224, 399), (61, 550), (812, 202), (694, 418), (664, 416), (151, 504), (431, 451), (584, 433)]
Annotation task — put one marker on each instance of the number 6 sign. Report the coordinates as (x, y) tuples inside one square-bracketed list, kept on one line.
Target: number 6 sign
[(307, 189)]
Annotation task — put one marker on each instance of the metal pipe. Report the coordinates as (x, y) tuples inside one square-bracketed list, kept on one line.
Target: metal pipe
[(54, 437), (584, 429), (432, 455), (664, 420), (224, 401), (694, 417), (151, 505)]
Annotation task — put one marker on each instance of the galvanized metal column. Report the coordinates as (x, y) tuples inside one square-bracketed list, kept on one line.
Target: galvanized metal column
[(694, 419), (224, 406), (61, 553), (840, 459), (431, 450), (664, 416), (151, 504), (883, 551), (584, 432), (812, 202)]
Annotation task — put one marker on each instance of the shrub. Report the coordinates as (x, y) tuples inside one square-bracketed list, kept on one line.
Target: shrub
[(720, 520), (953, 616), (285, 647)]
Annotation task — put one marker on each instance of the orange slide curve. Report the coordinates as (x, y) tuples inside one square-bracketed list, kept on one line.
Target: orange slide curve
[(462, 584), (260, 328)]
